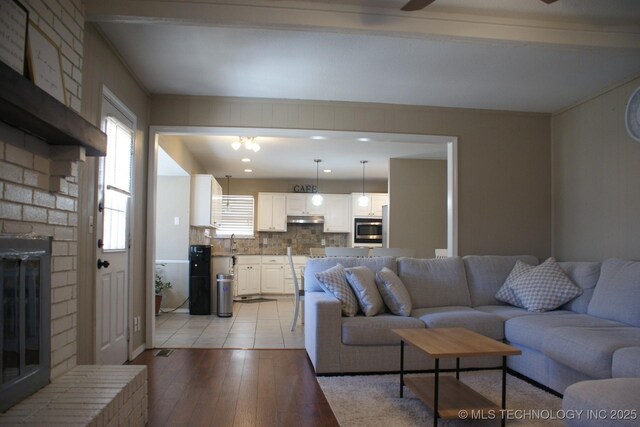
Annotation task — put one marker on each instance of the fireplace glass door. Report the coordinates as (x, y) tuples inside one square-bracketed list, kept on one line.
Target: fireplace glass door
[(24, 311)]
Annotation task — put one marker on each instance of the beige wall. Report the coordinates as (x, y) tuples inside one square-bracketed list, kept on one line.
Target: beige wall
[(102, 67), (596, 180), (183, 157), (503, 157), (421, 184)]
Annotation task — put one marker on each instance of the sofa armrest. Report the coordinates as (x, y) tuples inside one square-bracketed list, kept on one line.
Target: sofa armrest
[(323, 331)]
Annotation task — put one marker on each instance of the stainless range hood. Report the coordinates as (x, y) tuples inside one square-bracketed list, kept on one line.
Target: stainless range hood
[(305, 220)]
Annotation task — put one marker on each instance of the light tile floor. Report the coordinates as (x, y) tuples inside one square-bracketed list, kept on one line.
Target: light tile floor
[(253, 325)]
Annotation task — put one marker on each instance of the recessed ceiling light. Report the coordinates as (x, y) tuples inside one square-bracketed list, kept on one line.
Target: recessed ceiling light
[(364, 139), (246, 160), (326, 170), (318, 137), (248, 170)]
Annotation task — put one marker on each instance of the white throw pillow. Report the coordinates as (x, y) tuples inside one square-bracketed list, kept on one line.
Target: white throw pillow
[(334, 281), (394, 293), (363, 283), (505, 293), (545, 287)]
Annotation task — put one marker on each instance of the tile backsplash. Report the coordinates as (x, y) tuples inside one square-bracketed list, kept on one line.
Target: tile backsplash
[(301, 237)]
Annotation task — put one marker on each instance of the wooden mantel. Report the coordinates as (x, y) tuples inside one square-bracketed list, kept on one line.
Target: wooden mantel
[(25, 106)]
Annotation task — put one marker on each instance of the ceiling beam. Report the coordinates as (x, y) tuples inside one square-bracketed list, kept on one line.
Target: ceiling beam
[(331, 17)]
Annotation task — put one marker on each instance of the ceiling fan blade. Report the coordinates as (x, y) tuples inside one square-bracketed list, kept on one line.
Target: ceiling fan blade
[(549, 1), (416, 5)]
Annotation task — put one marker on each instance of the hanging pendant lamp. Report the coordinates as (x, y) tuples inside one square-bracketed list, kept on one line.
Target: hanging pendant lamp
[(228, 178), (316, 200), (363, 200)]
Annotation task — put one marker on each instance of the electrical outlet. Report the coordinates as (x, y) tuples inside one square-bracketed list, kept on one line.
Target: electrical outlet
[(323, 242), (265, 241), (176, 220), (136, 323)]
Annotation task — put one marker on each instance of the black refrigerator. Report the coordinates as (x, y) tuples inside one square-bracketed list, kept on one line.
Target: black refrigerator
[(199, 279)]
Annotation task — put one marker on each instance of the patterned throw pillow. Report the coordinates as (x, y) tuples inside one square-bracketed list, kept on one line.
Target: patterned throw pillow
[(545, 287), (334, 281), (505, 293), (394, 293), (363, 283)]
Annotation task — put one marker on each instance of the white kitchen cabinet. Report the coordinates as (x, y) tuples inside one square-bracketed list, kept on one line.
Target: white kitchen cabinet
[(272, 212), (272, 277), (206, 201), (301, 204), (247, 274), (337, 218), (374, 208)]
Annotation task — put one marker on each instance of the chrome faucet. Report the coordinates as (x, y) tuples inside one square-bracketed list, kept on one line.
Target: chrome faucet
[(234, 244)]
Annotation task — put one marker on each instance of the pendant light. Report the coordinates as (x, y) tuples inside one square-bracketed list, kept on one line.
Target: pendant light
[(363, 201), (316, 200)]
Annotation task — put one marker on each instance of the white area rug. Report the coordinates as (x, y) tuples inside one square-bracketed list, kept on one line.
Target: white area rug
[(373, 400)]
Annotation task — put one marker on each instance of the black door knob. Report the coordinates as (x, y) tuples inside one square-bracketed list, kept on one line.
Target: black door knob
[(102, 263)]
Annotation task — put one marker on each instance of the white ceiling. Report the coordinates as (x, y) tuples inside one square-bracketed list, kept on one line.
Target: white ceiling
[(290, 154), (520, 55)]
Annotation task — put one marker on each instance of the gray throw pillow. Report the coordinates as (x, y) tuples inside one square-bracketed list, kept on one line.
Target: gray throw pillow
[(545, 287), (334, 281), (505, 293), (363, 283), (394, 293)]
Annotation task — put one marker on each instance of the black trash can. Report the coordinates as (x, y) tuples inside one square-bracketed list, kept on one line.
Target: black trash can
[(225, 294)]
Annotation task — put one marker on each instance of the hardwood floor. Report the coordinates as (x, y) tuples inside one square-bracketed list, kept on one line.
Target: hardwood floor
[(216, 387)]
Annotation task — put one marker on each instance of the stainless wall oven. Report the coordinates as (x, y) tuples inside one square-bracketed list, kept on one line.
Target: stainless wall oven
[(367, 232)]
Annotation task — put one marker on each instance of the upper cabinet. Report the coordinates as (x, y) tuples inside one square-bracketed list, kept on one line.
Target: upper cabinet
[(337, 218), (374, 208), (272, 212), (300, 204), (206, 201)]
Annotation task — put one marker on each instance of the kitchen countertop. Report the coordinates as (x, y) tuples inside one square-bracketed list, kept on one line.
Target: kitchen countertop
[(226, 254)]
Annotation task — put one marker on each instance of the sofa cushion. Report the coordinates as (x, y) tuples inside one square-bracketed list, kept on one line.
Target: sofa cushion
[(483, 323), (530, 330), (393, 292), (617, 294), (597, 400), (626, 362), (361, 330), (504, 311), (487, 273), (586, 349), (434, 282), (334, 281), (585, 275), (363, 282), (506, 293), (315, 265), (545, 287)]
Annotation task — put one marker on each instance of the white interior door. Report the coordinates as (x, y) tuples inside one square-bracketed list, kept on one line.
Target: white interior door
[(113, 238)]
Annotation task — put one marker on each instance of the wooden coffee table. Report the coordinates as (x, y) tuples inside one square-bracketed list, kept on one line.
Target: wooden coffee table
[(447, 396)]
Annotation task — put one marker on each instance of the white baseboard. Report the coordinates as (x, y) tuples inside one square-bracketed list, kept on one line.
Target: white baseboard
[(138, 351)]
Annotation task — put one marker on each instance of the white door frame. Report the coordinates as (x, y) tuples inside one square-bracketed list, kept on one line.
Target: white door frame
[(109, 96), (154, 132)]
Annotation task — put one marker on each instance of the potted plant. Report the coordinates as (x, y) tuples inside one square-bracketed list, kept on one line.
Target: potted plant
[(161, 285)]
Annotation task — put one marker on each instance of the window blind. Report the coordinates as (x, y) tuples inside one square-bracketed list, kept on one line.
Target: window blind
[(237, 216)]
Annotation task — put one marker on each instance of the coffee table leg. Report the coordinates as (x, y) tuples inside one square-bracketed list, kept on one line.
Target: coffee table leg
[(457, 368), (401, 366), (504, 387), (435, 393)]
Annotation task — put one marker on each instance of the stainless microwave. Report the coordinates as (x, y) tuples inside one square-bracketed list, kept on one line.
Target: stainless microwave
[(367, 231)]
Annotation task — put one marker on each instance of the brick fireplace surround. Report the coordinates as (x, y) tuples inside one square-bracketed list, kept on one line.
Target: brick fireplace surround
[(39, 195)]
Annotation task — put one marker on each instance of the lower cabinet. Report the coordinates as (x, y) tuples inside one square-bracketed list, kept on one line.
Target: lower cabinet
[(272, 279), (248, 279), (257, 274)]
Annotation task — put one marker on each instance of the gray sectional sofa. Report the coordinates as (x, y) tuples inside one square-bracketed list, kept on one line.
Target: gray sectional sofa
[(596, 336)]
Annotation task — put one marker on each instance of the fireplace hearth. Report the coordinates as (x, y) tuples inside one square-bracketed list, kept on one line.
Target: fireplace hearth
[(25, 305)]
